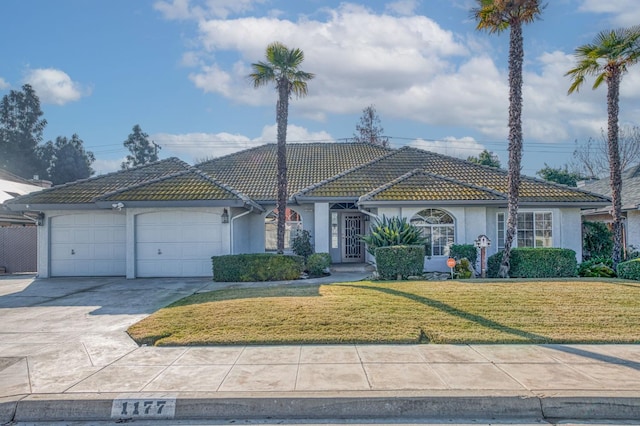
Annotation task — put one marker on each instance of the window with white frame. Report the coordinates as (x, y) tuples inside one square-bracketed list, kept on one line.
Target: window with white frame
[(292, 224), (438, 228), (534, 229)]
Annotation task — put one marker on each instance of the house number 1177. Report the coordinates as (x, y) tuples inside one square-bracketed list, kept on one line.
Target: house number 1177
[(147, 408)]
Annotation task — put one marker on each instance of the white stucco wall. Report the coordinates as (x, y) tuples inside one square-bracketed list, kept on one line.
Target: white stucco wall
[(472, 222), (321, 227), (633, 229)]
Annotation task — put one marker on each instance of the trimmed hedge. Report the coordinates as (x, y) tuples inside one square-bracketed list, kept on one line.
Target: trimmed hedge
[(317, 264), (403, 261), (629, 270), (256, 267), (536, 263)]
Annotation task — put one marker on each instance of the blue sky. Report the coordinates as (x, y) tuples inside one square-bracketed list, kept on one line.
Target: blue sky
[(178, 68)]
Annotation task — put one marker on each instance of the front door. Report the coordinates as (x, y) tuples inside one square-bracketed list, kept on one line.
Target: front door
[(352, 245)]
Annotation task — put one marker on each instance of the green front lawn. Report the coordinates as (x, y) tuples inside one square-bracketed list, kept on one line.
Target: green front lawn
[(474, 311)]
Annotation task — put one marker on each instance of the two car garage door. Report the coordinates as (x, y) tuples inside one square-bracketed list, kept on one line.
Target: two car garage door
[(168, 244)]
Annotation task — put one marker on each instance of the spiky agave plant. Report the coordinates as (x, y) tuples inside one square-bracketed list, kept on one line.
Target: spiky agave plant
[(393, 231)]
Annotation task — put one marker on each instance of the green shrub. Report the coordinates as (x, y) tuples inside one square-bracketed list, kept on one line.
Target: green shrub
[(629, 270), (536, 263), (464, 251), (256, 267), (394, 231), (463, 269), (597, 267), (395, 262), (597, 240), (318, 263), (301, 244)]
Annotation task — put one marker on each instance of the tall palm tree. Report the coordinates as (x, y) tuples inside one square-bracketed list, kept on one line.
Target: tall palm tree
[(496, 16), (282, 68), (607, 59)]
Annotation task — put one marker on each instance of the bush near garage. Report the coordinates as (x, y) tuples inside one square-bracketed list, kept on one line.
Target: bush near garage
[(629, 270), (397, 262), (318, 263), (257, 267), (536, 263)]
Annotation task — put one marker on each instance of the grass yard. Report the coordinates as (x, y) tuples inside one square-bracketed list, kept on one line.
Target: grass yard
[(474, 311)]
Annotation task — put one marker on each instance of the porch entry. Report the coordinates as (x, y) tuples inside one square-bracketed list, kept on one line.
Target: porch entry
[(346, 229)]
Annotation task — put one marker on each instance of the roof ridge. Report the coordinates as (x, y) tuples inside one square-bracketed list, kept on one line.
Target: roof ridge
[(346, 172), (226, 187), (190, 169), (272, 144), (562, 186), (416, 171), (93, 178), (388, 185), (253, 148)]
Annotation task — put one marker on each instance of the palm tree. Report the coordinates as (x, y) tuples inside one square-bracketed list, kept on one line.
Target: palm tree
[(496, 16), (607, 59), (282, 68)]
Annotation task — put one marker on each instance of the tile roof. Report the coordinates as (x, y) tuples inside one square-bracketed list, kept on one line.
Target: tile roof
[(630, 187), (384, 169), (187, 185), (87, 190), (418, 185), (332, 171), (253, 172)]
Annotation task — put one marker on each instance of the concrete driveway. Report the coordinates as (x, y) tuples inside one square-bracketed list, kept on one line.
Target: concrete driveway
[(71, 327)]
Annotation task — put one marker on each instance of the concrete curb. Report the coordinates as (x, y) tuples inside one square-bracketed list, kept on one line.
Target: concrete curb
[(343, 405)]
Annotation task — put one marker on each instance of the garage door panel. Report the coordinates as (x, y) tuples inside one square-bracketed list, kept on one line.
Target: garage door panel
[(186, 240), (91, 244)]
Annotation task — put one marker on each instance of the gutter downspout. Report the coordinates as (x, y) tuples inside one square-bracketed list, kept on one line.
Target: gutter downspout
[(231, 225), (368, 213)]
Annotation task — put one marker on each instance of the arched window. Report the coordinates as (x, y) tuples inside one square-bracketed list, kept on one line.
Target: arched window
[(439, 229), (293, 223)]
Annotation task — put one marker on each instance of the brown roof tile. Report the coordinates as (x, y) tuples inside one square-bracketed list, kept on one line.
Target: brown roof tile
[(418, 185), (253, 172), (87, 190), (382, 170)]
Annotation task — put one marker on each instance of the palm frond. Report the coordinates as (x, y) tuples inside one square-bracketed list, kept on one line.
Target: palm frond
[(611, 50)]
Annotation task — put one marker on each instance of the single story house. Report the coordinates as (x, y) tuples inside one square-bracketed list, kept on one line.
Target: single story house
[(630, 205), (168, 218)]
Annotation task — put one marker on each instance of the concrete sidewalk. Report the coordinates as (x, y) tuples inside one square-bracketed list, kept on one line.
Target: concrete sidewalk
[(64, 355)]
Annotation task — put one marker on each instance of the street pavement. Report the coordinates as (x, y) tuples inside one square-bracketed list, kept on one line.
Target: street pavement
[(65, 356)]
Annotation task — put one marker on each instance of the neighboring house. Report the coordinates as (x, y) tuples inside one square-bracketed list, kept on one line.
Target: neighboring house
[(168, 218), (630, 205), (18, 236)]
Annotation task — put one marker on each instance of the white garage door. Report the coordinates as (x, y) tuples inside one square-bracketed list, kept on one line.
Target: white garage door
[(91, 244), (177, 243)]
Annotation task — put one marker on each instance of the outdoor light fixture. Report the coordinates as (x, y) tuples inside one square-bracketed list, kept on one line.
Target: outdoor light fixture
[(40, 219), (117, 206), (225, 216)]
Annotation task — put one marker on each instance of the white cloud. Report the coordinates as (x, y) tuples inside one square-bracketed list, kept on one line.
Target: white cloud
[(186, 9), (454, 147), (402, 7), (198, 146), (54, 86), (624, 13), (409, 67), (4, 84)]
